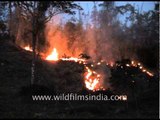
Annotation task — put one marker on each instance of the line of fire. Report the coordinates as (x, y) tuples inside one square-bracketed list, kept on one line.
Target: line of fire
[(87, 48)]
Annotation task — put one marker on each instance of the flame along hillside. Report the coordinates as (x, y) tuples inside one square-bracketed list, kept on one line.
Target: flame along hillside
[(93, 79)]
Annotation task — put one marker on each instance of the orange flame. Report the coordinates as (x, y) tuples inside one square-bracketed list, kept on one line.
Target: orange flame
[(53, 56), (92, 80), (28, 48)]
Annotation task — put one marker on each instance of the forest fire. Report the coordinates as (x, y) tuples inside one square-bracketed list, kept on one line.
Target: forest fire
[(92, 79), (68, 59)]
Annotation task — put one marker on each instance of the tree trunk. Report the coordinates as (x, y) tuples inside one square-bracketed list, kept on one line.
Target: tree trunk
[(10, 18), (34, 50), (33, 62)]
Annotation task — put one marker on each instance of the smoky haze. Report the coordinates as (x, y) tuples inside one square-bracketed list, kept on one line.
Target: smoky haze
[(101, 36), (72, 39)]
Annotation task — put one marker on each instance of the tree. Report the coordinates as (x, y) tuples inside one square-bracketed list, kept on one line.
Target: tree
[(94, 16), (111, 34), (94, 19), (148, 32), (3, 20), (75, 36), (70, 29), (144, 35), (40, 12)]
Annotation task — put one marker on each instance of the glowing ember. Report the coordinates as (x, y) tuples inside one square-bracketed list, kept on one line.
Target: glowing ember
[(53, 56), (98, 63), (144, 70), (133, 63), (28, 48), (127, 65), (150, 74), (139, 63), (111, 64)]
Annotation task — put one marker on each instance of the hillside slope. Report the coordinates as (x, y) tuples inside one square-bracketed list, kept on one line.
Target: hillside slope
[(15, 74)]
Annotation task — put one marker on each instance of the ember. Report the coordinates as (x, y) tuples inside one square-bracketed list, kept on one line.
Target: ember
[(92, 79), (134, 64), (28, 48)]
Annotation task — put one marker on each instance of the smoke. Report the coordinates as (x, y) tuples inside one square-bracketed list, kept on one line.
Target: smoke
[(106, 44), (101, 45), (97, 43), (56, 37), (105, 73)]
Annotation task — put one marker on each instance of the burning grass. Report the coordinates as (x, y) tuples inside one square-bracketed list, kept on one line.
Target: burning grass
[(95, 77)]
